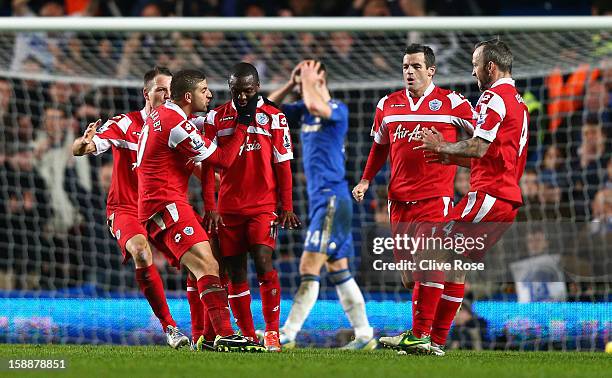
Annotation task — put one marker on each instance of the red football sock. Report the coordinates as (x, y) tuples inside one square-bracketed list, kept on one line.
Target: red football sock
[(196, 309), (428, 296), (269, 288), (240, 302), (208, 330), (151, 286), (415, 295), (214, 298), (450, 301)]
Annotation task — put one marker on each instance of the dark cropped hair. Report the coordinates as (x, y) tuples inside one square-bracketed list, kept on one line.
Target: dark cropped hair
[(185, 81), (150, 75), (498, 52), (244, 69), (415, 48)]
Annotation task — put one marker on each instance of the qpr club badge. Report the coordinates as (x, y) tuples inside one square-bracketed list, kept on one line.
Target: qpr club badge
[(188, 231), (435, 105), (261, 119)]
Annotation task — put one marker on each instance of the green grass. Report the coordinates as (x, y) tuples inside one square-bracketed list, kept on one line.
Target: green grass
[(157, 361)]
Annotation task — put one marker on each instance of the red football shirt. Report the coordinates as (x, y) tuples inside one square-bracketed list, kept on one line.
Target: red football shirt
[(120, 134), (503, 120), (250, 186), (169, 146), (398, 121)]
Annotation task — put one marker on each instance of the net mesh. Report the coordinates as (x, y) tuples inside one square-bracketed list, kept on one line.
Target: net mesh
[(54, 238)]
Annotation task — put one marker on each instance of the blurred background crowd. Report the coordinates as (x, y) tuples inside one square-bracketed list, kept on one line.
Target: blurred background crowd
[(297, 8)]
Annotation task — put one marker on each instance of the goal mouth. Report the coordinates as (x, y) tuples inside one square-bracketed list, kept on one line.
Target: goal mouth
[(58, 75)]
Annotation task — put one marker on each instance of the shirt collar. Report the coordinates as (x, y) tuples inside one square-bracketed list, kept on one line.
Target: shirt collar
[(505, 80), (171, 105), (427, 92), (144, 114)]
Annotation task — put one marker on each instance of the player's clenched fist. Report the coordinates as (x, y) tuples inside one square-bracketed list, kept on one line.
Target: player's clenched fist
[(360, 189)]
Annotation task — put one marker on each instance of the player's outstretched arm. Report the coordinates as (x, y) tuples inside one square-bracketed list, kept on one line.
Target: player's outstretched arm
[(474, 147), (84, 145)]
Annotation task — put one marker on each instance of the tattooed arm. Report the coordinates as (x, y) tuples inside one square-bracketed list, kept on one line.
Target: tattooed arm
[(474, 147)]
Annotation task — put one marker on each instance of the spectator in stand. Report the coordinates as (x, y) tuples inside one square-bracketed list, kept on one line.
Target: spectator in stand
[(53, 156), (25, 211), (302, 8), (588, 168), (530, 187), (368, 8), (539, 275), (601, 214), (341, 54), (469, 330), (596, 102), (42, 45)]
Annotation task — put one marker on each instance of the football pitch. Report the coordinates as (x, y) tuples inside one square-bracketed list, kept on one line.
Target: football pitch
[(158, 361)]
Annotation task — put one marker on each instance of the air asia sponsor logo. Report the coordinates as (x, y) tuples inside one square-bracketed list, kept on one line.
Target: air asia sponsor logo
[(402, 132), (398, 105), (254, 146), (229, 118)]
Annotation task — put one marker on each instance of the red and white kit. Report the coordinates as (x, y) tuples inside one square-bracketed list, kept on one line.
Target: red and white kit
[(495, 195), (260, 176), (168, 148), (120, 134), (418, 191)]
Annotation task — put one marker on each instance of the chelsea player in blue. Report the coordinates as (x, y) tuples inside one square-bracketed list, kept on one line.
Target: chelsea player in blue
[(329, 242)]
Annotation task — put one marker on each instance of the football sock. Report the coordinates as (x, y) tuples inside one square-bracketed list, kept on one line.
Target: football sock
[(415, 295), (239, 297), (269, 289), (352, 303), (214, 298), (303, 302), (196, 309), (427, 298), (450, 301), (151, 286)]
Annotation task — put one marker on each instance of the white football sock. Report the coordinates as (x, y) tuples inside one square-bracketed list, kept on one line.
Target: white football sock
[(304, 300), (354, 306)]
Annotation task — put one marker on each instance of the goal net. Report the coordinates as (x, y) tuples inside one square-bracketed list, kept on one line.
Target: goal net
[(61, 278)]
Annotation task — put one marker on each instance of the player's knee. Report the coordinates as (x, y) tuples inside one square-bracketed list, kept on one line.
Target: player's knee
[(340, 276), (263, 262), (140, 252), (309, 264)]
